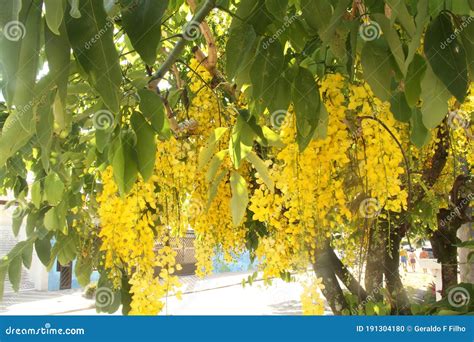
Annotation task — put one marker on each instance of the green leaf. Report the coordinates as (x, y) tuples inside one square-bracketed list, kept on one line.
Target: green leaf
[(241, 140), (44, 129), (282, 95), (91, 38), (400, 108), (240, 198), (14, 272), (17, 220), (317, 14), (83, 271), (238, 52), (377, 67), (43, 250), (124, 163), (277, 8), (53, 189), (19, 54), (307, 103), (421, 19), (58, 54), (53, 220), (415, 74), (447, 56), (262, 170), (27, 254), (214, 165), (146, 145), (214, 187), (141, 21), (208, 150), (420, 135), (3, 275), (266, 70), (54, 12), (400, 12), (152, 108), (393, 40), (435, 98)]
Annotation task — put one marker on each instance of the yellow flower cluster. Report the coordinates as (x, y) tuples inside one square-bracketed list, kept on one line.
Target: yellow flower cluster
[(309, 199), (137, 230), (311, 301), (380, 160), (211, 220)]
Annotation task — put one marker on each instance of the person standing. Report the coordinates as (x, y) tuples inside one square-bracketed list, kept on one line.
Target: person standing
[(404, 258), (413, 261)]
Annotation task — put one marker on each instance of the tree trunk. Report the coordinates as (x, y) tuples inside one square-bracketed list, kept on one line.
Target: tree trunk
[(343, 273), (398, 295), (443, 241), (466, 268), (324, 269), (373, 270)]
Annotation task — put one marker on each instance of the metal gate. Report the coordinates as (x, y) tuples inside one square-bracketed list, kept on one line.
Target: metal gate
[(65, 279)]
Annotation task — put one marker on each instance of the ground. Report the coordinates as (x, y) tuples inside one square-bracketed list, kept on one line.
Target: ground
[(221, 294)]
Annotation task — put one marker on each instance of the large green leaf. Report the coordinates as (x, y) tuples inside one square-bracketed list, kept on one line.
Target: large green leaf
[(377, 67), (415, 74), (91, 38), (152, 108), (241, 140), (53, 189), (262, 170), (238, 52), (43, 250), (54, 13), (146, 145), (400, 108), (420, 135), (317, 14), (393, 40), (435, 98), (141, 21), (19, 54), (83, 270), (14, 271), (277, 8), (124, 162), (467, 36), (307, 102), (401, 14), (3, 275), (27, 254), (447, 56), (240, 198), (57, 49), (266, 70)]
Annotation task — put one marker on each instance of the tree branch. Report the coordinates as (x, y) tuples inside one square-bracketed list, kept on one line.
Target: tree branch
[(202, 13)]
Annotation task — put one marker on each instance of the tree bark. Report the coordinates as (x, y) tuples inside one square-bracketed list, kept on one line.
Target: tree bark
[(375, 258), (398, 295), (343, 273), (324, 269)]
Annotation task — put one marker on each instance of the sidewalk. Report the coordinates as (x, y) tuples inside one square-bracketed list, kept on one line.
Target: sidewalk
[(221, 294)]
